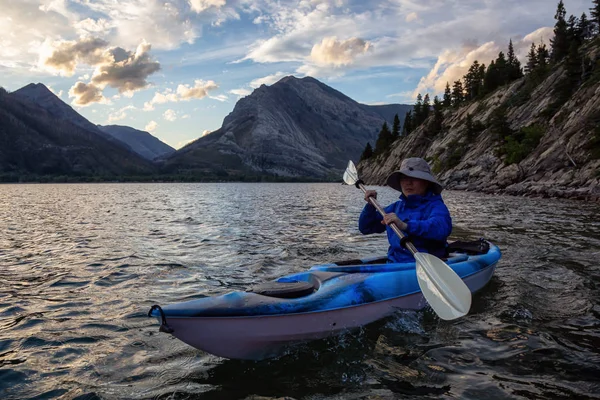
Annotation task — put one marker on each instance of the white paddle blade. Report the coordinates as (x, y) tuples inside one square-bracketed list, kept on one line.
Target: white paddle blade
[(350, 176), (443, 289)]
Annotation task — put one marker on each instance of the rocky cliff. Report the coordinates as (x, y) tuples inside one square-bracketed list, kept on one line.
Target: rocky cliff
[(564, 163), (293, 128)]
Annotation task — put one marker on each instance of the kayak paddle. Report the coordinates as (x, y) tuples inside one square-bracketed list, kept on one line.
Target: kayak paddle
[(443, 289)]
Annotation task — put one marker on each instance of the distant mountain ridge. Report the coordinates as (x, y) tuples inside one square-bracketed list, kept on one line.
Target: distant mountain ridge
[(34, 142), (39, 94), (295, 127), (141, 142)]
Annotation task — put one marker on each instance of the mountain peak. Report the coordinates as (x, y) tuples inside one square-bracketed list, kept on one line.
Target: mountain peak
[(34, 91)]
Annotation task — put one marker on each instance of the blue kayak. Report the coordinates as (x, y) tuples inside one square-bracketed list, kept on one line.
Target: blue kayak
[(323, 301)]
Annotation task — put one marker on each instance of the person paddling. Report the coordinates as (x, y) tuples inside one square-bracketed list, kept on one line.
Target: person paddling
[(420, 213)]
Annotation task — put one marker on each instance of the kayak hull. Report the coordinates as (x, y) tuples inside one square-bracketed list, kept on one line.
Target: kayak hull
[(255, 337)]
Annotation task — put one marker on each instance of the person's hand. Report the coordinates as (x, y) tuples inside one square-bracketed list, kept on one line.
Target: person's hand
[(370, 193), (393, 218)]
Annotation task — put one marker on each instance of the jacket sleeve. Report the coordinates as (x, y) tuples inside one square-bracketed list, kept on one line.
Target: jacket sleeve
[(437, 226), (370, 221)]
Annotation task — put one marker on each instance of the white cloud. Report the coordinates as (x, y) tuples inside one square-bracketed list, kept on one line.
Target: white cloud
[(170, 115), (205, 132), (413, 16), (198, 91), (120, 114), (86, 94), (267, 80), (202, 5), (184, 92), (220, 97), (241, 92), (332, 51), (151, 126)]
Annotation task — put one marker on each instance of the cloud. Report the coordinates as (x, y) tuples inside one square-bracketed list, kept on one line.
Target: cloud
[(128, 71), (120, 114), (267, 80), (86, 94), (205, 132), (185, 92), (412, 17), (198, 91), (64, 56), (202, 5), (241, 92), (170, 115), (220, 97), (91, 26), (151, 126), (114, 66), (337, 53)]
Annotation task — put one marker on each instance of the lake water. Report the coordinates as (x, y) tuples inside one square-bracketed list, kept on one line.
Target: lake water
[(81, 264)]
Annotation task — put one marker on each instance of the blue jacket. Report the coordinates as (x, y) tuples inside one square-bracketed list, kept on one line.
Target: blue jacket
[(428, 220)]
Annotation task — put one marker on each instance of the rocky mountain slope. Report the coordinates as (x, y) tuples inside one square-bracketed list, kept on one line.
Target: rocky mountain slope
[(565, 162), (143, 143), (293, 128), (35, 142)]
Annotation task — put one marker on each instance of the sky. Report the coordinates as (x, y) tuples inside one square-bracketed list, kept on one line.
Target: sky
[(176, 68)]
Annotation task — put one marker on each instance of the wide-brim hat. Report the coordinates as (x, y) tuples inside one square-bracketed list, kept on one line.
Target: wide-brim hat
[(414, 167)]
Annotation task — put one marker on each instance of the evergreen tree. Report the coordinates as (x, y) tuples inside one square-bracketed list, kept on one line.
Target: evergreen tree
[(573, 30), (532, 59), (438, 115), (384, 139), (584, 28), (447, 96), (470, 128), (408, 123), (473, 81), (595, 16), (499, 125), (418, 111), (367, 152), (543, 57), (458, 94), (503, 69), (514, 65), (560, 42), (491, 80), (426, 108), (396, 128)]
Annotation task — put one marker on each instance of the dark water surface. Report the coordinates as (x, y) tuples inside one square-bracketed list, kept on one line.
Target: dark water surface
[(80, 265)]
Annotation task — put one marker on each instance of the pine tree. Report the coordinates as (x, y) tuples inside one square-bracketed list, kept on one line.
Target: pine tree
[(447, 96), (438, 115), (573, 30), (560, 42), (584, 27), (396, 128), (503, 69), (470, 128), (543, 57), (514, 65), (473, 81), (458, 94), (426, 107), (367, 152), (491, 79), (532, 59), (383, 140), (418, 111), (408, 123), (595, 15)]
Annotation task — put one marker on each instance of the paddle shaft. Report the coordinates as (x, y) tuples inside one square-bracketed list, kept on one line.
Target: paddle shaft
[(394, 227)]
